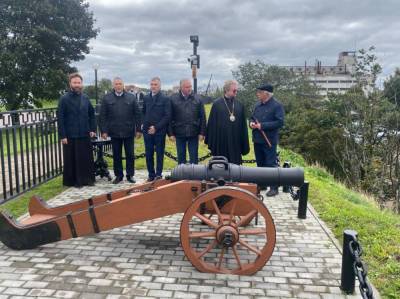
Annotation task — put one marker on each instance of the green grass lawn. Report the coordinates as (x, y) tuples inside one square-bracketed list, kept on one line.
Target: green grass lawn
[(19, 206), (19, 133)]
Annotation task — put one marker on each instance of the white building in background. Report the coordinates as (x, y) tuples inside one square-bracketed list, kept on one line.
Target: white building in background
[(336, 78)]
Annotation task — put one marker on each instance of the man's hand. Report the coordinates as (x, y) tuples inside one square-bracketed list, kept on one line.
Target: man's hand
[(255, 125), (92, 134), (138, 135), (201, 137), (172, 138), (104, 136), (64, 141), (152, 130)]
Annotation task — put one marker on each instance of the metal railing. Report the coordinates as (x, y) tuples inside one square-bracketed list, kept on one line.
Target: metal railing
[(30, 151)]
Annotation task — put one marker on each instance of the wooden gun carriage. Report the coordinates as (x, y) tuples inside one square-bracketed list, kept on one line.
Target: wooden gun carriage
[(218, 201)]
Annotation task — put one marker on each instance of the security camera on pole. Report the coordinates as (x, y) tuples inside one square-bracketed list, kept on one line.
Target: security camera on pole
[(194, 60)]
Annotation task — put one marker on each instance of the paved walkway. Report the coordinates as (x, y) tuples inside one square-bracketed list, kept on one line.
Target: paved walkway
[(146, 260)]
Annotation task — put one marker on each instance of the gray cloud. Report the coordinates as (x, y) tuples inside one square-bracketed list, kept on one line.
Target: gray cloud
[(140, 39)]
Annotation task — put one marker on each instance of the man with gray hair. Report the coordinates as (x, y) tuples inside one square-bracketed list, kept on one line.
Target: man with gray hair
[(120, 119), (188, 122), (226, 133), (266, 120), (156, 116)]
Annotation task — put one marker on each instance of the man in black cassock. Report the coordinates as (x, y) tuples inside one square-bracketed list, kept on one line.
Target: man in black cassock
[(76, 125), (226, 133)]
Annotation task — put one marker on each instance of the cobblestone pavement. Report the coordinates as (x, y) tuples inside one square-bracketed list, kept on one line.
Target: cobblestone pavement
[(146, 260)]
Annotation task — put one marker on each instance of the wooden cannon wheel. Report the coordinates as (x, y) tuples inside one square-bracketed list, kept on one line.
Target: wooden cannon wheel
[(224, 245)]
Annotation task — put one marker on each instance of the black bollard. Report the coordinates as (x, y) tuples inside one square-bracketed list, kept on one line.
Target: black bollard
[(303, 198), (348, 277)]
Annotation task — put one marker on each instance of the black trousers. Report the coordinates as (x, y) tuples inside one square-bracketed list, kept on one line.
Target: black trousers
[(266, 157), (117, 144), (155, 142), (78, 162)]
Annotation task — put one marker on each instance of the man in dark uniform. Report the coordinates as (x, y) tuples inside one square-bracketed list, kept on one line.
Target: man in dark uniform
[(76, 124), (188, 122), (156, 116), (226, 133), (267, 118), (120, 119)]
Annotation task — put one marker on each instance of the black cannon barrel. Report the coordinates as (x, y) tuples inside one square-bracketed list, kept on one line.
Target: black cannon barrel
[(220, 169)]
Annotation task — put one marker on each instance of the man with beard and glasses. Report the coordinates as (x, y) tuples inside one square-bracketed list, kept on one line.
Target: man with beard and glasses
[(76, 125), (226, 133)]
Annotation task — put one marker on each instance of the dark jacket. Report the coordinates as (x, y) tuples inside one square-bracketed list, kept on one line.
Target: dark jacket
[(156, 112), (188, 118), (271, 117), (119, 115), (75, 116)]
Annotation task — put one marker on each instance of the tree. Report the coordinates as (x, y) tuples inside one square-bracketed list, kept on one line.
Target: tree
[(392, 88), (38, 41), (292, 90), (104, 86), (369, 153)]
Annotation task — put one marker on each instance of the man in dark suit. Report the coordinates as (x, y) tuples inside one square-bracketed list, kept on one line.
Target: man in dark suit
[(188, 122), (120, 119), (267, 118), (156, 117), (76, 124)]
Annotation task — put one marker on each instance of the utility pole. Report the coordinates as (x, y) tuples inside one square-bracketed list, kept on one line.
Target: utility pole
[(194, 60)]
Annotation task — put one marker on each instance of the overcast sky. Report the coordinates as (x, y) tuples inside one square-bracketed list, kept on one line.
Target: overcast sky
[(140, 39)]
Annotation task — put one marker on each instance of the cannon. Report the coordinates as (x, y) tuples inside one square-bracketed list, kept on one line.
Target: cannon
[(218, 200)]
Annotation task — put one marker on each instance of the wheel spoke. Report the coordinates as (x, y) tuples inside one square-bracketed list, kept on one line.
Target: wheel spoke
[(217, 211), (247, 217), (207, 249), (197, 234), (252, 231), (206, 220), (250, 247), (221, 256), (231, 214), (236, 256)]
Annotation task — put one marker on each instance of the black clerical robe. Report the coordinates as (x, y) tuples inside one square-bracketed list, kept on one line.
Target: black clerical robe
[(225, 137), (76, 118)]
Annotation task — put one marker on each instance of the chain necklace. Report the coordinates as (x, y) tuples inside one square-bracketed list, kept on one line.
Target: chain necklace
[(232, 117)]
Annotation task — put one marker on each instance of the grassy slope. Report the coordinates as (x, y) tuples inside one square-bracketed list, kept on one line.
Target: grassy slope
[(378, 231)]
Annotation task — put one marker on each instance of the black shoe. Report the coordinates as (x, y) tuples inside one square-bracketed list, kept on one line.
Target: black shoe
[(117, 180), (130, 179), (158, 178), (150, 179), (272, 192)]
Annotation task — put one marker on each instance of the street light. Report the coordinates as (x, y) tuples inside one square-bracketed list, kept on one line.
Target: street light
[(96, 67), (97, 110), (194, 60)]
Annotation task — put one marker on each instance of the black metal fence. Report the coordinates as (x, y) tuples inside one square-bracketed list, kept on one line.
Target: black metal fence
[(30, 151)]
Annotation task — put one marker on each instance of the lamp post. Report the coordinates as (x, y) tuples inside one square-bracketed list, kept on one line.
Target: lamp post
[(194, 60), (96, 67), (97, 110)]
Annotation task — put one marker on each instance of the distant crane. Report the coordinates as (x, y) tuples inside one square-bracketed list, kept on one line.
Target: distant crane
[(208, 85)]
